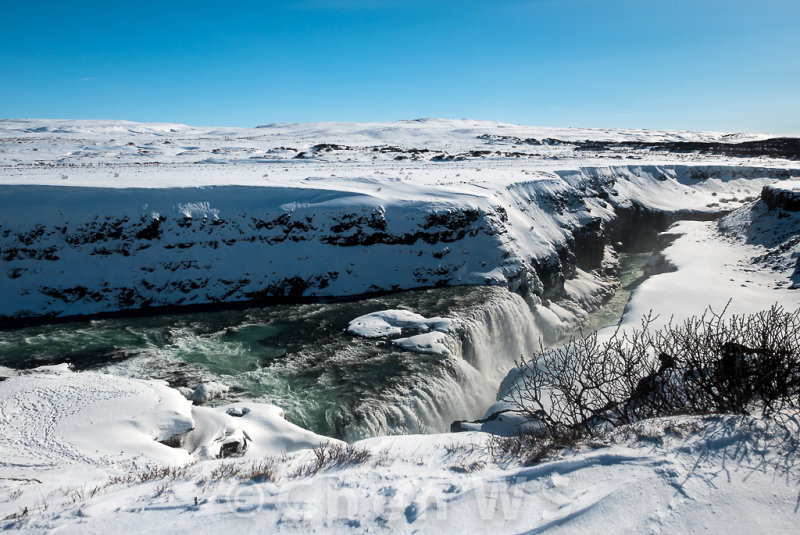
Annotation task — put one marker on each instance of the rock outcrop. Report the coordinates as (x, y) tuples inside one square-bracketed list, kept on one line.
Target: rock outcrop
[(782, 196)]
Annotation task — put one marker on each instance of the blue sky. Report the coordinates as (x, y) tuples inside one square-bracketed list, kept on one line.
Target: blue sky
[(678, 64)]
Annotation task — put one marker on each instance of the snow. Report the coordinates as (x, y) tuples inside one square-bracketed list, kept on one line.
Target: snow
[(218, 254), (63, 435), (386, 323), (63, 420), (269, 433), (59, 426), (743, 263), (783, 195), (389, 323), (208, 391), (729, 474), (65, 141), (714, 267), (392, 322), (434, 342), (787, 185)]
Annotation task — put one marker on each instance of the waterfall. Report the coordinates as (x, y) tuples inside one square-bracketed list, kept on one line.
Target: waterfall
[(464, 382), (499, 333)]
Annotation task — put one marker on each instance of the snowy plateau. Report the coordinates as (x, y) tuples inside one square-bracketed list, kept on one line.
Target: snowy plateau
[(113, 219)]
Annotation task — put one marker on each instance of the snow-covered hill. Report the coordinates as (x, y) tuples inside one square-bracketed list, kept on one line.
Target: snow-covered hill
[(82, 141)]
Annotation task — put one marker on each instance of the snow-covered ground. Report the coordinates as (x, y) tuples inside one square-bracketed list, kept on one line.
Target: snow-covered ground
[(746, 262), (81, 452), (43, 144), (721, 474), (362, 157)]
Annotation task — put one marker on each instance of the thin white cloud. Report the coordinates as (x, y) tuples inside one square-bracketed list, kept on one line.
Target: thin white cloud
[(87, 79)]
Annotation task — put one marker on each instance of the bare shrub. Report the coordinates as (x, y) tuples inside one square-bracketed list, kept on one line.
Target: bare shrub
[(333, 455), (163, 489), (19, 516), (163, 472), (452, 448), (468, 468), (384, 458), (227, 470), (733, 365), (262, 470), (259, 471), (528, 448), (573, 389), (704, 365), (152, 474)]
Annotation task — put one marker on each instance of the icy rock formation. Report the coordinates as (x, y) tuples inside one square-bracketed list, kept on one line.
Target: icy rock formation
[(208, 391), (392, 322)]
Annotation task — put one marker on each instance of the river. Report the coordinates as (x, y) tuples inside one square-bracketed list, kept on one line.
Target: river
[(301, 358)]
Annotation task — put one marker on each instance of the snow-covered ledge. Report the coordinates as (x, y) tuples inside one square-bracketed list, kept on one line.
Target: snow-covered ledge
[(783, 195)]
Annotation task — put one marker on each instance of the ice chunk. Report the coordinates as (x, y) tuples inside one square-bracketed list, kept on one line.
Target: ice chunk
[(392, 322), (433, 342), (208, 391)]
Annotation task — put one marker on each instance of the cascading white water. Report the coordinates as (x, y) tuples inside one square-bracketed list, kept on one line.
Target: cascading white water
[(499, 333), (479, 354)]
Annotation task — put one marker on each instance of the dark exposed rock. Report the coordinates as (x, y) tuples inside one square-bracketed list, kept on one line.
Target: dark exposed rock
[(457, 219), (288, 287), (787, 148), (779, 198), (639, 228), (152, 231), (72, 294), (549, 271), (510, 139), (234, 448), (347, 222), (437, 228), (187, 276), (328, 147), (175, 441), (589, 244), (456, 426)]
